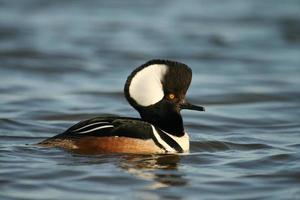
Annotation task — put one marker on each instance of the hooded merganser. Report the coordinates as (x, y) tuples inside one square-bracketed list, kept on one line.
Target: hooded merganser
[(157, 91)]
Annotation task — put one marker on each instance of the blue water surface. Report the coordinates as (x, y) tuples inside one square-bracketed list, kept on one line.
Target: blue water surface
[(65, 61)]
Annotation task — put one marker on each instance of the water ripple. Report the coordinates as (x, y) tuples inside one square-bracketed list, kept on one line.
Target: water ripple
[(65, 61)]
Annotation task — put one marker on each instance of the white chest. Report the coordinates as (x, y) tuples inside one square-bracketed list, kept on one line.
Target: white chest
[(182, 141)]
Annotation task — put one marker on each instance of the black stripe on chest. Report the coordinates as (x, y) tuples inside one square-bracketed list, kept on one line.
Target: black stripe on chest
[(170, 141)]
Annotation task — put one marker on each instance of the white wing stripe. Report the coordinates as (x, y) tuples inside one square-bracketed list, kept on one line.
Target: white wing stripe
[(90, 125), (98, 128)]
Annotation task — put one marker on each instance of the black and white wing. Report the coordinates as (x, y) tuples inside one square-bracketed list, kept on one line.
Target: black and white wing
[(111, 126)]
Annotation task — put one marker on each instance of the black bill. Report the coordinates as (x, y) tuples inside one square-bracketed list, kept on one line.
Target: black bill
[(189, 106)]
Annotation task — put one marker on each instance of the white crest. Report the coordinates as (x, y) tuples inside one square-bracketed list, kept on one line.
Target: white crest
[(146, 87)]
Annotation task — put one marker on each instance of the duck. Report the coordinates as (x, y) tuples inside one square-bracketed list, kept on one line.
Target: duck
[(157, 91)]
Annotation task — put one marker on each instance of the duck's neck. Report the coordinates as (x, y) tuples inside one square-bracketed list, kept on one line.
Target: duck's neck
[(171, 123)]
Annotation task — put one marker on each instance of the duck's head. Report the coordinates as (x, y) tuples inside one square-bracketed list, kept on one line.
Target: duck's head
[(157, 91)]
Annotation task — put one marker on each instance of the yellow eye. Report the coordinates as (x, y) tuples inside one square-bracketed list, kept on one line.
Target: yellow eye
[(171, 96)]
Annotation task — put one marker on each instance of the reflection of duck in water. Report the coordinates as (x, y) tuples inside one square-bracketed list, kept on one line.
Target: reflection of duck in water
[(162, 169), (157, 91)]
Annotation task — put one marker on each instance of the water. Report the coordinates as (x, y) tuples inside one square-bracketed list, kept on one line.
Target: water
[(64, 61)]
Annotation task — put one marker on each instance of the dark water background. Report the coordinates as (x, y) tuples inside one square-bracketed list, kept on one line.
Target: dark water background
[(64, 61)]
